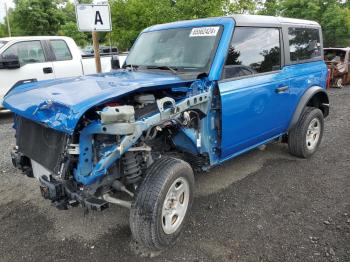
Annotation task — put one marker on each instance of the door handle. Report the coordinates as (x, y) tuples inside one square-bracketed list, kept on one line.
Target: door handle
[(47, 70), (282, 89)]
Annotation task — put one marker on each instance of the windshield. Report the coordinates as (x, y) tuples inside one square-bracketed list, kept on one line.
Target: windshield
[(181, 48), (2, 43)]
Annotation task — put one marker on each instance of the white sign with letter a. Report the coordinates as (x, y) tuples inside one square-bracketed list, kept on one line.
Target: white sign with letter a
[(93, 18)]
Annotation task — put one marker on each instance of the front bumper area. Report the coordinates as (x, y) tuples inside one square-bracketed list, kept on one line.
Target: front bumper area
[(62, 194), (65, 194), (21, 162)]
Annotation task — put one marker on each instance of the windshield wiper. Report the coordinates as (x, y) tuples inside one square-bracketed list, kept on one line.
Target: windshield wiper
[(173, 70), (131, 66)]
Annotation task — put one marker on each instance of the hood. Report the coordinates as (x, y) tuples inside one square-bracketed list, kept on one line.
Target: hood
[(60, 104)]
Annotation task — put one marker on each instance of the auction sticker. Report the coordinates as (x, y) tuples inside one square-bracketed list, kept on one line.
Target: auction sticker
[(205, 31)]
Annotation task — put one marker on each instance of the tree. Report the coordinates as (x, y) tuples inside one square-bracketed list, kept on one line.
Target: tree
[(3, 32), (333, 15), (70, 29), (37, 17), (270, 7), (336, 26), (239, 6), (130, 17)]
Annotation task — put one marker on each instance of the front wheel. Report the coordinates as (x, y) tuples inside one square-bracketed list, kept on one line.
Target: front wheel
[(162, 203), (306, 136)]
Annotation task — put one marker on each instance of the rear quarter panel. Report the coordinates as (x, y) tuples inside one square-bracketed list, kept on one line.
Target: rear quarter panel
[(303, 76)]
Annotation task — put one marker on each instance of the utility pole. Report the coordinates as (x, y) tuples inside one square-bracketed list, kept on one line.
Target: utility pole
[(8, 21)]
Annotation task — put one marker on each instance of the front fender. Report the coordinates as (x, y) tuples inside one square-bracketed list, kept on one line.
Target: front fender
[(315, 96)]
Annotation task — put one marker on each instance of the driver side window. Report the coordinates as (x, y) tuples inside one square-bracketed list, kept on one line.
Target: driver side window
[(27, 52), (253, 51)]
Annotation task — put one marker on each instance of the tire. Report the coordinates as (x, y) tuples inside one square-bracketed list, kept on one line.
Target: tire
[(149, 222), (299, 142)]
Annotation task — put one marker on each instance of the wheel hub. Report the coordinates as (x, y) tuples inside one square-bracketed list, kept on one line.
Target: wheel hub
[(313, 134), (175, 205)]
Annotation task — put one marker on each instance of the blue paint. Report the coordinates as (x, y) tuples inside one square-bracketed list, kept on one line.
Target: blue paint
[(72, 97), (253, 105), (185, 140), (252, 113)]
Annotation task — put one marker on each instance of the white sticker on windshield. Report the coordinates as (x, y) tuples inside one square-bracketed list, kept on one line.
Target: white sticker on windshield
[(205, 31)]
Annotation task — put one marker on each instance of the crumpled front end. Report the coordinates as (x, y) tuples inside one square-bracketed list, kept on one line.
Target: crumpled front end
[(60, 104), (116, 141)]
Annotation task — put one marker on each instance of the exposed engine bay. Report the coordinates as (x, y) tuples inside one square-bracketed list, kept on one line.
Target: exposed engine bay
[(114, 144)]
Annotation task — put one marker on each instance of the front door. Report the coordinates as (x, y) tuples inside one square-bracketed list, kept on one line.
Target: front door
[(254, 90)]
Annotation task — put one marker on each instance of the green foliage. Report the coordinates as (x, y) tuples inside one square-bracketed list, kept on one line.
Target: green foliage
[(130, 17), (307, 9), (70, 29), (270, 7), (69, 12), (336, 26), (3, 32), (333, 15), (239, 6), (37, 17)]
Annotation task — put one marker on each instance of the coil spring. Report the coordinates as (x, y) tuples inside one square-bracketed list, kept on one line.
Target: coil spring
[(132, 167)]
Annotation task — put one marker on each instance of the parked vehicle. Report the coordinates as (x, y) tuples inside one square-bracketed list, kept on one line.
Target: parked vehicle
[(26, 59), (104, 50), (192, 95), (338, 62)]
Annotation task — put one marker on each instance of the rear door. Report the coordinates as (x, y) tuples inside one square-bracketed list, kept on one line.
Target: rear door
[(65, 62), (34, 65), (254, 90)]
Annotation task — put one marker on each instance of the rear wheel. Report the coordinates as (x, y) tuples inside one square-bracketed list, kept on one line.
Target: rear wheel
[(162, 203), (306, 136)]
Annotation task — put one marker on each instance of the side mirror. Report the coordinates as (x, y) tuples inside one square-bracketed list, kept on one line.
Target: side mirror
[(115, 62), (9, 62)]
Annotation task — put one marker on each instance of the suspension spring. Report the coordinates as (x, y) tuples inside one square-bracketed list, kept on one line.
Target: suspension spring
[(132, 167)]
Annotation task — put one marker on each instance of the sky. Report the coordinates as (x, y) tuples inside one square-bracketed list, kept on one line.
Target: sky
[(2, 8)]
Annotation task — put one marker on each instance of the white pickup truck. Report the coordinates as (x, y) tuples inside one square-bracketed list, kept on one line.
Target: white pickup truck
[(24, 59)]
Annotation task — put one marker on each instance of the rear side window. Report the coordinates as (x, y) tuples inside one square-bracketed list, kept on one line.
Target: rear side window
[(28, 52), (253, 50), (61, 50), (304, 44)]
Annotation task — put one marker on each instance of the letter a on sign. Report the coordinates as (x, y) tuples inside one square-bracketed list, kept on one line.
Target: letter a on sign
[(98, 18), (93, 18)]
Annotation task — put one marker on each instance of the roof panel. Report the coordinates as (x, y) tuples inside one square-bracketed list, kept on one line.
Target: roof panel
[(250, 20)]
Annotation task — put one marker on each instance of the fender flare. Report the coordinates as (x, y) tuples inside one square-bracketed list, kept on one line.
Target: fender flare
[(305, 99)]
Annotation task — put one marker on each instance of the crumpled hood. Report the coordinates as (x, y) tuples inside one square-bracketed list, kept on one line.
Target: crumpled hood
[(60, 104)]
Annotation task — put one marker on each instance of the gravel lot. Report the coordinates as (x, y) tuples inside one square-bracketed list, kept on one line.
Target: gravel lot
[(263, 206)]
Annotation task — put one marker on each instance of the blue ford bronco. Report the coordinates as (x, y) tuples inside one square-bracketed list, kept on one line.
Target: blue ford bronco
[(190, 96)]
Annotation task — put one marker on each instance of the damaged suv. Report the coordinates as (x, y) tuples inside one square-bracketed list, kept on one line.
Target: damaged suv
[(190, 96)]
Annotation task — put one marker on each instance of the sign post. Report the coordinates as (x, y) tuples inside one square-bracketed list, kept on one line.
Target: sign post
[(95, 43), (94, 18)]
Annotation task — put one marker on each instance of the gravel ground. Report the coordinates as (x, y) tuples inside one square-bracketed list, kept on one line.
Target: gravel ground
[(263, 206)]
